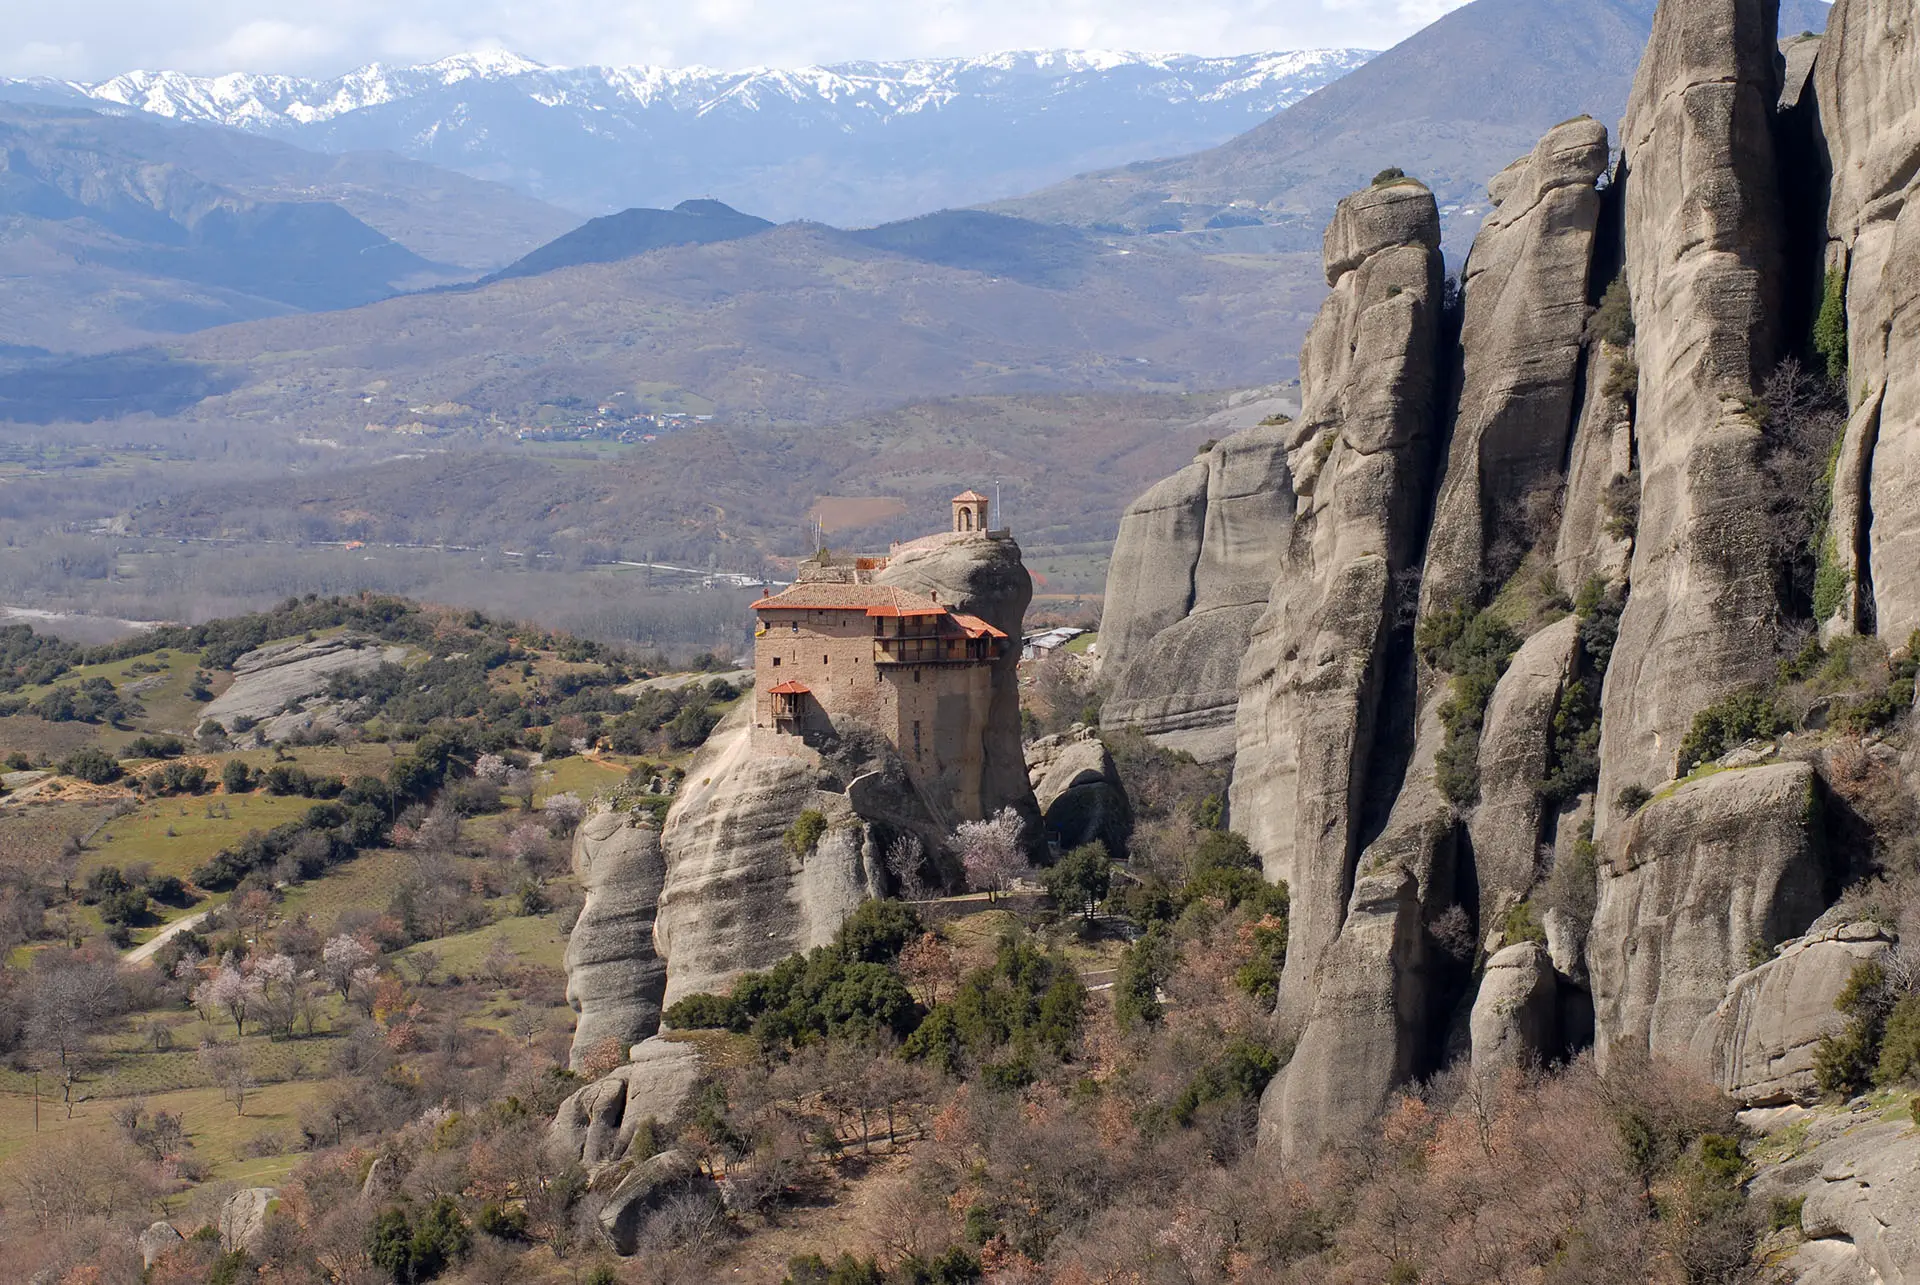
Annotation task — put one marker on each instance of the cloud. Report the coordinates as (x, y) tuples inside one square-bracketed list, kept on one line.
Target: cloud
[(87, 39)]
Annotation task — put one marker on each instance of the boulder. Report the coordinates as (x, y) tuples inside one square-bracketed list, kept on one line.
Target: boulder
[(645, 1190), (268, 679), (615, 979), (156, 1242), (243, 1218), (1699, 876), (1704, 231), (1526, 310), (1759, 1043), (1313, 678), (596, 1126), (1078, 790), (1868, 66), (736, 897), (1516, 741), (1516, 1015)]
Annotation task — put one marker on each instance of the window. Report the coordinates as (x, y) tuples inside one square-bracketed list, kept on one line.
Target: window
[(776, 662), (826, 660)]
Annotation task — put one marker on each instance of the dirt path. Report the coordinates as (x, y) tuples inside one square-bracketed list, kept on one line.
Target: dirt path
[(141, 954)]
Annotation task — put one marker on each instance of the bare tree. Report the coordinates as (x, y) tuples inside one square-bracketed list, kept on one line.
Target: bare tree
[(69, 995), (906, 859), (228, 1067)]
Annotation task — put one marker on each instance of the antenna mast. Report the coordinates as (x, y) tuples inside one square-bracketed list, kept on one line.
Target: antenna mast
[(998, 512)]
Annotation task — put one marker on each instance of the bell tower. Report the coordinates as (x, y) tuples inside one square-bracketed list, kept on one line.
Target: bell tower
[(970, 512)]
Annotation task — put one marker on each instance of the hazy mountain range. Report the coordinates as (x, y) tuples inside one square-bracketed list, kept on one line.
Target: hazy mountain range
[(853, 143)]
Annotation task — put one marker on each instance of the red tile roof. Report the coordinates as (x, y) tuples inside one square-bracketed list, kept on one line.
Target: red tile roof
[(874, 600), (790, 689), (976, 627), (969, 497)]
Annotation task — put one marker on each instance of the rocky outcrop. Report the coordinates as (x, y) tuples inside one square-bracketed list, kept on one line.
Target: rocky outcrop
[(1363, 1031), (615, 979), (1592, 541), (1316, 665), (156, 1242), (1704, 228), (1516, 742), (1865, 78), (981, 576), (1516, 1014), (1526, 308), (1857, 1177), (596, 1126), (650, 1186), (242, 1220), (269, 679), (1700, 877), (1758, 1045), (1078, 789), (1180, 681), (737, 897)]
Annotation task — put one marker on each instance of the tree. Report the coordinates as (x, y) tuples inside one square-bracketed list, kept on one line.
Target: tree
[(231, 989), (564, 813), (69, 995), (228, 1067), (341, 958), (1081, 879), (1144, 969), (991, 852)]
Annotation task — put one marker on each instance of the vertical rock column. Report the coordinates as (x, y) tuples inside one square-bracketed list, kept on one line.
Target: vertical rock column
[(1311, 682), (1868, 81), (1704, 263)]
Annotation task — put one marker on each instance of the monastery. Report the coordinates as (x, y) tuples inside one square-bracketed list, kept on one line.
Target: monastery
[(840, 646)]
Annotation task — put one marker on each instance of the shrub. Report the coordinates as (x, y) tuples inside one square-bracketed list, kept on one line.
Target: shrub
[(1612, 321), (1845, 1061), (1623, 379), (1621, 500), (91, 764), (237, 777), (1475, 649), (156, 747), (1241, 1070), (1392, 174), (1830, 327), (1899, 1058), (1632, 798), (804, 835), (1078, 882), (1145, 967), (1729, 722), (1521, 925)]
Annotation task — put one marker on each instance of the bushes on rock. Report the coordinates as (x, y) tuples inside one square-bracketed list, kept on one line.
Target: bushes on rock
[(1474, 649), (804, 835), (1612, 321), (1730, 722), (1830, 327), (1144, 969)]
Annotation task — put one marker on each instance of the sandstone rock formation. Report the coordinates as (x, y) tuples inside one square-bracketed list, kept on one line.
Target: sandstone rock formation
[(1193, 569), (615, 978), (1515, 747), (268, 679), (157, 1241), (243, 1218), (1526, 309), (1704, 229), (1758, 1045), (1592, 542), (1078, 789), (596, 1126), (736, 896), (982, 577), (1315, 670), (1865, 79), (649, 1187), (1702, 875), (1858, 1180), (1516, 1014)]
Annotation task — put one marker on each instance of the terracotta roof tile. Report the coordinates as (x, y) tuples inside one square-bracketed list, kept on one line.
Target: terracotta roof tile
[(790, 689), (874, 600), (976, 627), (969, 497)]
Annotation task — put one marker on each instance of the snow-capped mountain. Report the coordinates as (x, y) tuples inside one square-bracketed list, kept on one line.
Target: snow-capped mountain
[(856, 142)]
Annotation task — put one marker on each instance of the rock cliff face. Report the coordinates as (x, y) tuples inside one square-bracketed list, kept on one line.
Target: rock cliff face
[(614, 977), (1867, 79), (1317, 664), (1526, 454), (1704, 232), (1192, 574)]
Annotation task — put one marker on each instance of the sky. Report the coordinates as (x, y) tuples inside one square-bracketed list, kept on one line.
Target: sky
[(94, 39)]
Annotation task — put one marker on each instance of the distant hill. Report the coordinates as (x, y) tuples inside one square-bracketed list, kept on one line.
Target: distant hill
[(854, 143), (121, 228), (798, 324), (1452, 104), (635, 232)]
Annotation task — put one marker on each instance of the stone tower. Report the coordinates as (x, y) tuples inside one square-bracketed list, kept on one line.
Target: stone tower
[(970, 512)]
